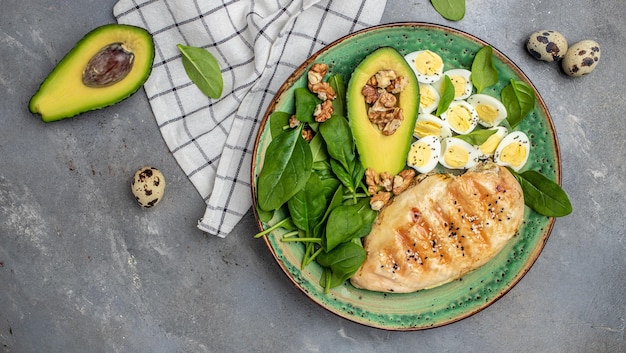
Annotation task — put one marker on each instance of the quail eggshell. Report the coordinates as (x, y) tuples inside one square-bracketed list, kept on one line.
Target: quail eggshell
[(581, 58), (148, 186), (547, 45)]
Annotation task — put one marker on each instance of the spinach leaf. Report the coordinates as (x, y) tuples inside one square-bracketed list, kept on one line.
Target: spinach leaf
[(307, 206), (348, 222), (278, 122), (484, 73), (339, 103), (519, 99), (447, 95), (543, 195), (203, 70), (339, 143), (477, 137), (342, 263), (453, 10), (318, 149), (287, 167), (343, 224), (305, 104), (342, 174)]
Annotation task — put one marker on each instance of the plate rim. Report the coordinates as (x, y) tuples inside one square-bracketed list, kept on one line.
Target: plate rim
[(296, 74)]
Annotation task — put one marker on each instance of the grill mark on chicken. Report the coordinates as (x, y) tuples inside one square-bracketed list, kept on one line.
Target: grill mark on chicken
[(441, 229)]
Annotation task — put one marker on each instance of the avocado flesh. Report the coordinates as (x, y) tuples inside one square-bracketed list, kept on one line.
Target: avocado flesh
[(63, 93), (377, 151)]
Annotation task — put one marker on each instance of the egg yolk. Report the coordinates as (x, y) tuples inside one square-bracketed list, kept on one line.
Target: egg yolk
[(489, 147), (456, 157), (426, 128), (459, 118), (420, 154), (459, 83), (427, 98), (487, 113), (513, 154), (428, 63)]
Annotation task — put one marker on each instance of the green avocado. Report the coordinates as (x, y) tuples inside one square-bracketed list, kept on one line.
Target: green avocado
[(107, 65), (382, 153)]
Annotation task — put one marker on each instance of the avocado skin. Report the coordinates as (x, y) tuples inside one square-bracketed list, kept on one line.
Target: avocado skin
[(377, 151), (62, 94)]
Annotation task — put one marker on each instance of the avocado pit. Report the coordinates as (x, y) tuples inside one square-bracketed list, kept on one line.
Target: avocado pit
[(110, 65)]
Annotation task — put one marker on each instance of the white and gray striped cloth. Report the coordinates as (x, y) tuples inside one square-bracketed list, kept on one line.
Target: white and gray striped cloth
[(258, 44)]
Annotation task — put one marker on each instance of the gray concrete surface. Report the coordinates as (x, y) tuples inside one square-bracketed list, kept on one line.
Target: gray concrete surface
[(83, 269)]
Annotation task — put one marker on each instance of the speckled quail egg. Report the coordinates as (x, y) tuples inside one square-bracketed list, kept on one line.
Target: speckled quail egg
[(547, 45), (461, 80), (428, 124), (429, 98), (461, 117), (490, 110), (458, 154), (424, 154), (148, 186), (581, 58), (488, 148), (427, 65), (513, 150)]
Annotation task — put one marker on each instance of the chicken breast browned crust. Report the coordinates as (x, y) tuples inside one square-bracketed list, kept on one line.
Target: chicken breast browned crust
[(440, 229)]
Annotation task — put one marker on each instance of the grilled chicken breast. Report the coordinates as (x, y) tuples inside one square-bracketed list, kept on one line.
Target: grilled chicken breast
[(440, 229)]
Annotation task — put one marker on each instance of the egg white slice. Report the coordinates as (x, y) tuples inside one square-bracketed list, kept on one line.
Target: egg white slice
[(424, 154), (429, 98), (427, 65), (428, 124), (513, 151), (461, 117), (458, 154), (461, 80), (488, 148), (490, 110)]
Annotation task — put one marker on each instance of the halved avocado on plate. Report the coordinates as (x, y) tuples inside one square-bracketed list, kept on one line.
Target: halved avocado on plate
[(383, 153), (107, 65)]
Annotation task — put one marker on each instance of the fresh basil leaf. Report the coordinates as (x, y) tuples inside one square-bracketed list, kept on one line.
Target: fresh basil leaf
[(519, 99), (543, 195), (203, 70), (484, 73), (339, 103), (447, 95), (286, 170), (305, 104), (477, 137), (453, 10)]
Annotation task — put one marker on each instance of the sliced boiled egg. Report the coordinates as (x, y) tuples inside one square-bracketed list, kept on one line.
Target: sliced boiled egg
[(457, 154), (488, 148), (513, 150), (461, 80), (490, 110), (428, 124), (429, 98), (424, 154), (461, 117), (427, 65)]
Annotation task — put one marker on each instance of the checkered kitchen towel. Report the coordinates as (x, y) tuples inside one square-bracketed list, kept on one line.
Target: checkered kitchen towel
[(258, 43)]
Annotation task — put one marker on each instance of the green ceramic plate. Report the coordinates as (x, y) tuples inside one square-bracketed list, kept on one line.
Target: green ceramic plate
[(474, 291)]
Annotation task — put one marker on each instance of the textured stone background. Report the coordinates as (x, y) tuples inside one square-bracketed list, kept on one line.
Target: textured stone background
[(83, 269)]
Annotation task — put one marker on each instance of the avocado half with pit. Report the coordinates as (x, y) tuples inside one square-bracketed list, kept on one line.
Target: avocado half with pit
[(382, 153), (106, 66)]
